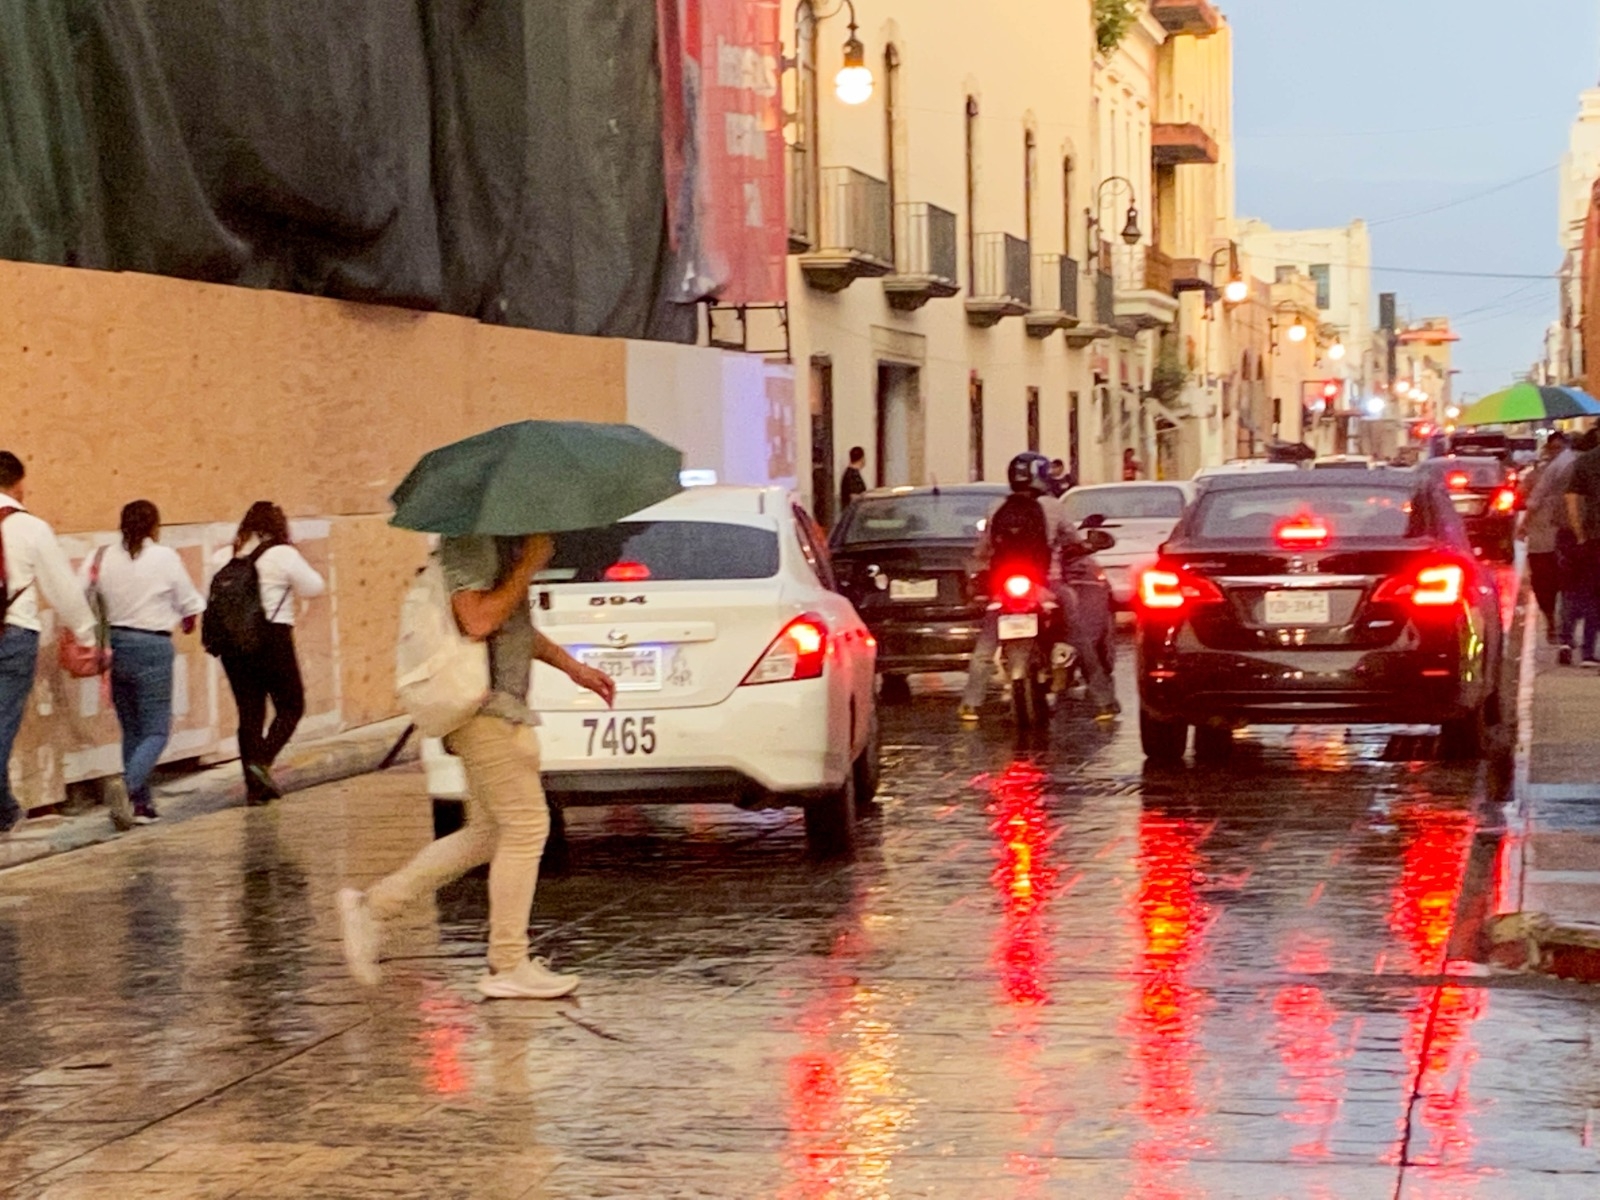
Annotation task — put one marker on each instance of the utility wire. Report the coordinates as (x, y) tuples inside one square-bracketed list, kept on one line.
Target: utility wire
[(1499, 187)]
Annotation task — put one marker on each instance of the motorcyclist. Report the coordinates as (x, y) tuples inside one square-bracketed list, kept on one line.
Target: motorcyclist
[(1029, 531)]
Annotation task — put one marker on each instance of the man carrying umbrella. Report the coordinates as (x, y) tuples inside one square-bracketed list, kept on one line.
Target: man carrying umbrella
[(497, 498)]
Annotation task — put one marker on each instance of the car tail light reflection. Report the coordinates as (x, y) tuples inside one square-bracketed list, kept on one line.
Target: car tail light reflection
[(799, 652), (1505, 500), (1168, 591), (1437, 585), (627, 572), (1302, 532)]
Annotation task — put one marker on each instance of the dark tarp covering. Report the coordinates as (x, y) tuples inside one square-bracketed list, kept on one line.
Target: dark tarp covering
[(495, 158)]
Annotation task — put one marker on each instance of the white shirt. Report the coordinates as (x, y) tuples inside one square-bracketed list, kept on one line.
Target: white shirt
[(36, 563), (152, 592), (284, 575)]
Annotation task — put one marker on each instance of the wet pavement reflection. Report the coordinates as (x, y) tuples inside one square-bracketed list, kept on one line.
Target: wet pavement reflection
[(1046, 973)]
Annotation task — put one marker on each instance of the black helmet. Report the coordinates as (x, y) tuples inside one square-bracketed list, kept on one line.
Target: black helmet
[(1029, 472)]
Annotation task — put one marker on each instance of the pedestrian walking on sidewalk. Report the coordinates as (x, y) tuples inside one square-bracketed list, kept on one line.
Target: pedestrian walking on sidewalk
[(31, 563), (254, 637), (140, 591), (508, 818), (1543, 520), (1581, 588)]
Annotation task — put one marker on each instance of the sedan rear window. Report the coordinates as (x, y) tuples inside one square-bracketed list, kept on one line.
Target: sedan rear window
[(1125, 503), (1480, 473), (926, 517), (640, 551), (1349, 513)]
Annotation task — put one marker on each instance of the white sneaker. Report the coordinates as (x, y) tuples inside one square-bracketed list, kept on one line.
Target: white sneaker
[(360, 937), (533, 980)]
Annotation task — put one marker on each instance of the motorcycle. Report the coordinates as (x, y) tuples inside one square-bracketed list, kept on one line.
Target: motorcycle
[(1035, 654)]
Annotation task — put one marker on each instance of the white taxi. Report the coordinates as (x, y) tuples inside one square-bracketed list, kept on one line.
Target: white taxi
[(743, 676), (1141, 516)]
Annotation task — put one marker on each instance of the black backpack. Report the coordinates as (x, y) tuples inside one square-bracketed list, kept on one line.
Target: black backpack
[(1019, 537), (234, 622), (5, 585)]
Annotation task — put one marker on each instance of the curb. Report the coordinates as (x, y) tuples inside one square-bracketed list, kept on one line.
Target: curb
[(310, 764)]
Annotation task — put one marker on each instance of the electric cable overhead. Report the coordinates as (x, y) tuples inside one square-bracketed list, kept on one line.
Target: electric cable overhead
[(1499, 187)]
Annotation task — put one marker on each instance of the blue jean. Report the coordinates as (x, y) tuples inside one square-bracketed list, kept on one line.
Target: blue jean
[(1086, 609), (1580, 598), (19, 659), (141, 691)]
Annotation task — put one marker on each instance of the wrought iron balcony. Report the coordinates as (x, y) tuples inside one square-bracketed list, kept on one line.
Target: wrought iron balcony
[(1144, 298), (798, 181), (1198, 17), (926, 263), (1002, 284), (1105, 308), (853, 239), (1055, 295)]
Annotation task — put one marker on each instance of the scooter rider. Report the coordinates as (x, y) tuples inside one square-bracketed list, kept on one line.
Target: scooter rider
[(1031, 530)]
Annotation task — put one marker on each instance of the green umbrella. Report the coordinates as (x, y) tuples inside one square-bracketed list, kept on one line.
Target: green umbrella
[(537, 477), (1523, 402)]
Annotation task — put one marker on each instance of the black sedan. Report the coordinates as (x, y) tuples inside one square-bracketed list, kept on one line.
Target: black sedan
[(902, 557), (1484, 492), (1318, 599)]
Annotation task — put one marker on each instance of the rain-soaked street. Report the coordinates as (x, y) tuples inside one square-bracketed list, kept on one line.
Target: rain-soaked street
[(1048, 973)]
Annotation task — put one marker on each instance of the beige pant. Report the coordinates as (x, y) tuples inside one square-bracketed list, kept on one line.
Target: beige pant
[(507, 823)]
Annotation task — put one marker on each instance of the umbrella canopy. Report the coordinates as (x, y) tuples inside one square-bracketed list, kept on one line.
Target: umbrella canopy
[(536, 477), (1530, 402)]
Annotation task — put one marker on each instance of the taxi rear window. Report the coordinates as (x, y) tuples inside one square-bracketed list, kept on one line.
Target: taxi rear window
[(647, 551), (1350, 513)]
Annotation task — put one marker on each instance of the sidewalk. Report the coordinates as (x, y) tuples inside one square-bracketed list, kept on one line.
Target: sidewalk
[(180, 798), (1550, 885)]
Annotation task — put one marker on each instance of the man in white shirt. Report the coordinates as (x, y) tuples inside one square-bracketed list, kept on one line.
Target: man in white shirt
[(31, 564)]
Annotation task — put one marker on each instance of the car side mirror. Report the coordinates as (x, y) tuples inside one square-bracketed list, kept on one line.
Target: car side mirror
[(1092, 521), (1098, 540)]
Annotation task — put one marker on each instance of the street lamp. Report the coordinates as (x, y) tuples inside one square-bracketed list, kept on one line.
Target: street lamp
[(1130, 231), (1236, 290), (853, 83), (1296, 333), (1336, 351)]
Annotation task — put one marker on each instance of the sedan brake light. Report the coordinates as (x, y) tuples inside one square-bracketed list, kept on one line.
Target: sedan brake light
[(1435, 585), (1457, 481), (627, 572), (1169, 591), (1302, 532), (798, 652), (1505, 500)]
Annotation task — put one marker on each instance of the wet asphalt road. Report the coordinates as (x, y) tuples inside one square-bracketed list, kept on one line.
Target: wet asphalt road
[(1046, 974)]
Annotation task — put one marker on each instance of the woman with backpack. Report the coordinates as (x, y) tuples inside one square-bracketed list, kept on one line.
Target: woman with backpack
[(140, 590), (249, 625)]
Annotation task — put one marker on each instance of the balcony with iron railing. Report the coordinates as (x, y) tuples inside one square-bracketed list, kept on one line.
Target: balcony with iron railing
[(1055, 295), (1002, 283), (926, 258), (800, 188), (1181, 143), (853, 231), (1144, 298), (1198, 17)]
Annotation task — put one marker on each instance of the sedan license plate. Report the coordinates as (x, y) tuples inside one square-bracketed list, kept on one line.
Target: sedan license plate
[(1016, 626), (913, 589), (1297, 608), (635, 669)]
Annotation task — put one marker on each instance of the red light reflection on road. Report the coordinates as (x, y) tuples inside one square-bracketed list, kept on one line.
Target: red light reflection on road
[(1308, 1044), (1167, 1010), (1438, 1039), (447, 1024), (1024, 880)]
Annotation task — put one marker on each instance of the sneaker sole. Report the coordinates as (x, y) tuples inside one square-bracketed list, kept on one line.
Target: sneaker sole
[(364, 971), (491, 992)]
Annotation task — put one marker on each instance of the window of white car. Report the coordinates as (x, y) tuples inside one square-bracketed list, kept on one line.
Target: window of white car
[(636, 551), (1125, 503)]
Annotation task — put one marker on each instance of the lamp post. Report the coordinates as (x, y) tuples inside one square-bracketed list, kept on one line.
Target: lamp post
[(1236, 290), (1130, 231), (1297, 332), (853, 84)]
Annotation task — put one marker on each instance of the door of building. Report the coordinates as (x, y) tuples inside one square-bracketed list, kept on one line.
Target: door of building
[(824, 483), (900, 425)]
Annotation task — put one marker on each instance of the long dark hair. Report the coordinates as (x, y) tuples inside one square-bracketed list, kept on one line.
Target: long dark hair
[(264, 520), (140, 520)]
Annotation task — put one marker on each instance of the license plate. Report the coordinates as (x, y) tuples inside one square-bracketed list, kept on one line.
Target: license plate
[(619, 737), (635, 669), (913, 589), (1297, 608), (1469, 506), (1016, 626)]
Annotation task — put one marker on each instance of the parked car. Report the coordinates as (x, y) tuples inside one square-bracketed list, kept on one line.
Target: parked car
[(902, 557), (1328, 598), (1139, 515), (1484, 492), (742, 675)]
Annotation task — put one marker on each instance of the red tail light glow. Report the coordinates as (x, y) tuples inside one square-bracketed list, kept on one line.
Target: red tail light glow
[(1169, 591), (627, 572), (799, 652), (1304, 531), (1018, 587), (1436, 585), (1505, 500), (1458, 480)]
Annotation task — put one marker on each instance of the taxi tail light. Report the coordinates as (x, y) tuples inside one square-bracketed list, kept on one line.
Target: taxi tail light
[(1433, 585), (1170, 591), (1305, 532), (1505, 500), (798, 652), (627, 572)]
